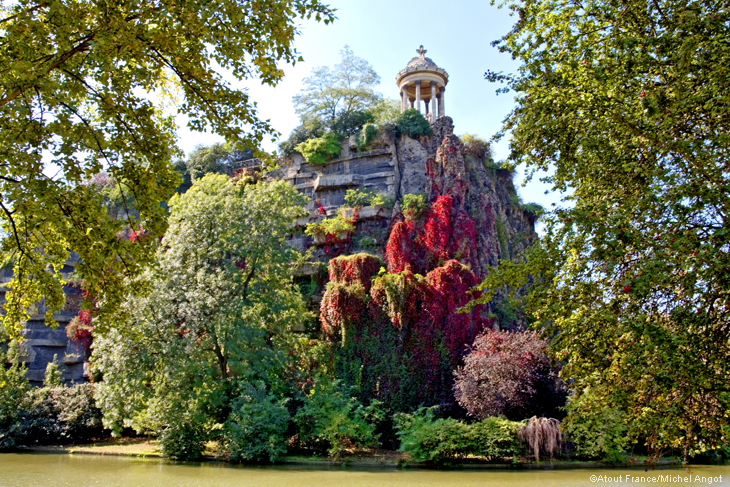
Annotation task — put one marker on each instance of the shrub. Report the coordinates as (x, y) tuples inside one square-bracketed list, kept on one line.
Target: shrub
[(14, 388), (475, 147), (413, 206), (351, 122), (320, 149), (77, 412), (309, 130), (366, 135), (509, 374), (55, 415), (491, 167), (368, 242), (447, 441), (383, 200), (52, 377), (330, 227), (596, 430), (413, 123), (534, 209), (256, 426), (331, 419), (184, 439), (367, 197), (359, 197)]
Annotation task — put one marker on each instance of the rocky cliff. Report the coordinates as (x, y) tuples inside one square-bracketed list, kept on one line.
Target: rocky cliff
[(494, 224)]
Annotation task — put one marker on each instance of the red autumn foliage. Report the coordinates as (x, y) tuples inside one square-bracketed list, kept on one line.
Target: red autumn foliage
[(80, 327), (341, 304), (137, 235), (437, 231), (356, 268), (398, 249), (449, 286), (402, 337)]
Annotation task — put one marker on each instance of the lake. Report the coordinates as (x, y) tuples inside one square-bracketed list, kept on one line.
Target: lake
[(56, 470)]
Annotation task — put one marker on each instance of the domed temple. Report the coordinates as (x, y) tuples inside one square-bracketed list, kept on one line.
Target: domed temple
[(423, 80)]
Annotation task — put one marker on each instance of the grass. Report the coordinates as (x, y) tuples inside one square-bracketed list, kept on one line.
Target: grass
[(140, 447)]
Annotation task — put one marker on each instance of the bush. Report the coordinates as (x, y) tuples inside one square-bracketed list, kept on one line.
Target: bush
[(330, 227), (256, 426), (413, 206), (331, 419), (351, 122), (55, 415), (596, 430), (77, 413), (309, 130), (534, 209), (413, 123), (383, 200), (367, 197), (446, 441), (475, 147), (14, 388), (184, 439), (509, 374), (359, 197), (52, 376), (366, 135), (320, 149)]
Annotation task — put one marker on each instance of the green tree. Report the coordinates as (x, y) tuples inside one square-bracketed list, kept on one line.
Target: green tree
[(331, 94), (84, 87), (214, 315), (625, 102)]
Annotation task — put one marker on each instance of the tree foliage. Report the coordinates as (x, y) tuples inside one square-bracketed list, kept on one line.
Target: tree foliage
[(342, 91), (626, 102), (448, 442), (508, 374), (340, 100), (413, 123), (213, 316), (319, 149), (84, 87), (331, 418)]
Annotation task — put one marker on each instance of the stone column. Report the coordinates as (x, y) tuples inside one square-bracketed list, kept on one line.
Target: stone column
[(442, 109), (411, 100), (433, 100), (403, 100), (418, 95)]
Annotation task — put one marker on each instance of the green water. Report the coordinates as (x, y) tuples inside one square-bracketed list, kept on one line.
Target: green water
[(46, 470)]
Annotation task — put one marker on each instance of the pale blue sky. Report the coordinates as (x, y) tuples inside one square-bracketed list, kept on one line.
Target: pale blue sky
[(457, 35)]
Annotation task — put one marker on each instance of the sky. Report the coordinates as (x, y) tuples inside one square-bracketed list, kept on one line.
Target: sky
[(386, 33)]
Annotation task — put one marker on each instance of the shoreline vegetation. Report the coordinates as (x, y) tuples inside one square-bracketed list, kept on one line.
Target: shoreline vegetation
[(145, 447)]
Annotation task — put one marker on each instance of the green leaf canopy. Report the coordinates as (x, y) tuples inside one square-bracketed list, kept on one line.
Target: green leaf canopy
[(84, 87), (626, 101)]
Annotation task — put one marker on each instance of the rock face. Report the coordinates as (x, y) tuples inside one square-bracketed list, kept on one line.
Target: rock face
[(41, 343), (399, 165)]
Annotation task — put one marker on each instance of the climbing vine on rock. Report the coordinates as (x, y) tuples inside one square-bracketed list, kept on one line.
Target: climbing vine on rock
[(398, 332)]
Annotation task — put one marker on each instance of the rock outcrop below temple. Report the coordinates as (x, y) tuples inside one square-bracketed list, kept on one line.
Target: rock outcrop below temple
[(398, 165)]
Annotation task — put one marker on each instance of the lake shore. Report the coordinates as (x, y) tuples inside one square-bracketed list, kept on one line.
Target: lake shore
[(150, 448)]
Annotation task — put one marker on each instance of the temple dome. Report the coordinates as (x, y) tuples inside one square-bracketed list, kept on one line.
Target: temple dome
[(423, 81), (422, 63)]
